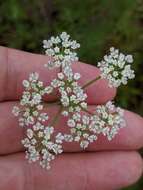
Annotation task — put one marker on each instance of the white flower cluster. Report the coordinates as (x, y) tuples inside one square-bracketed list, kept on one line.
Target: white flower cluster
[(107, 120), (61, 50), (110, 119), (80, 129), (72, 96), (116, 68), (31, 101), (42, 143), (38, 137), (39, 145)]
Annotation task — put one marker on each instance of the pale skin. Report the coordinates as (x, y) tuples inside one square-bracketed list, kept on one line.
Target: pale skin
[(103, 166)]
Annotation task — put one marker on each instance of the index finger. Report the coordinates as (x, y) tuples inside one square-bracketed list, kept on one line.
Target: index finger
[(17, 65), (128, 138)]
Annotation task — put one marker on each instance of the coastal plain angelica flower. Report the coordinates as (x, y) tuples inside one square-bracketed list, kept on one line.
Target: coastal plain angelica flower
[(42, 142)]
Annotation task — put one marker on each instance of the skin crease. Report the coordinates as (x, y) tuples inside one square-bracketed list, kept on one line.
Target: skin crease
[(104, 170)]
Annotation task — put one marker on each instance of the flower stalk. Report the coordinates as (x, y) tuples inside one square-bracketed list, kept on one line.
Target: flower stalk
[(91, 82)]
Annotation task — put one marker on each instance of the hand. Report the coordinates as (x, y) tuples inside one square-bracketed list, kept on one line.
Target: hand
[(104, 166)]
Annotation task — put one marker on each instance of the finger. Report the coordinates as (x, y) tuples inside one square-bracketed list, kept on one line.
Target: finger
[(72, 171), (128, 138), (17, 65)]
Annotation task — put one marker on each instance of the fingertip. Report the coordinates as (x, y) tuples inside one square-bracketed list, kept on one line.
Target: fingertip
[(135, 169), (134, 129)]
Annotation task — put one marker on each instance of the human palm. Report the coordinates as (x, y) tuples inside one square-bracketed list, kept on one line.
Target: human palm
[(103, 166)]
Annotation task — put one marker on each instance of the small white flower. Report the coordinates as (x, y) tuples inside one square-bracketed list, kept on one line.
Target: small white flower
[(57, 49), (48, 130), (16, 111), (85, 120), (92, 138), (29, 133), (36, 99), (71, 123), (55, 83), (61, 76), (65, 113), (39, 107), (129, 58), (77, 138), (40, 134), (43, 117), (48, 89), (65, 101), (57, 149), (83, 104), (59, 138), (84, 144), (33, 77), (26, 84), (68, 138), (30, 120), (64, 36), (77, 76)]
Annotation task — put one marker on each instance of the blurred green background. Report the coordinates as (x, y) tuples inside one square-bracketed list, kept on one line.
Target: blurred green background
[(96, 24)]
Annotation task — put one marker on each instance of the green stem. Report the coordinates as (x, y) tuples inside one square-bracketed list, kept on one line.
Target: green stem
[(56, 116), (87, 111), (52, 103), (91, 82)]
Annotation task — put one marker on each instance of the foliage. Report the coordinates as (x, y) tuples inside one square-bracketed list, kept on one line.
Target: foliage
[(96, 24)]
